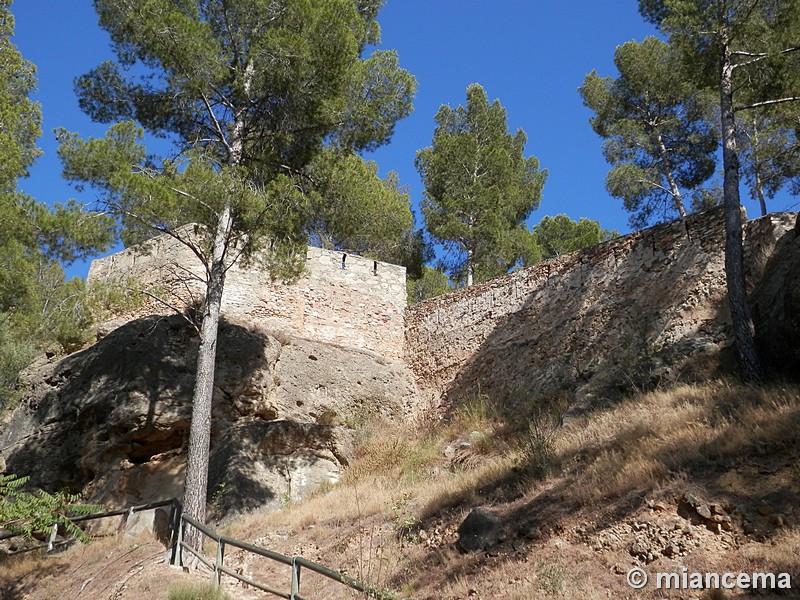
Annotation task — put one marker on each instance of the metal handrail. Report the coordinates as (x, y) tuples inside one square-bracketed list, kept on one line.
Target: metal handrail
[(296, 562), (112, 513), (122, 511), (178, 546)]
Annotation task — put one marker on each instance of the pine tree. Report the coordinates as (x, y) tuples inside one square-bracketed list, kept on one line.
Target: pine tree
[(38, 308), (248, 92), (660, 135), (560, 235), (748, 53), (479, 188)]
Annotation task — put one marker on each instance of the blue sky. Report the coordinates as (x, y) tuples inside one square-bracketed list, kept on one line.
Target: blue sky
[(532, 55)]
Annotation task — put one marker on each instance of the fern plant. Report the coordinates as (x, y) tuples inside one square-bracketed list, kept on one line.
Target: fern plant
[(25, 513)]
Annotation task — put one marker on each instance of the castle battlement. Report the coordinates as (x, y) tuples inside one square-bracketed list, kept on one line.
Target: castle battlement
[(342, 298)]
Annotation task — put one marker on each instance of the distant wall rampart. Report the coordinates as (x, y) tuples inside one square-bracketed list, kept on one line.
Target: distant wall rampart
[(356, 303), (634, 304)]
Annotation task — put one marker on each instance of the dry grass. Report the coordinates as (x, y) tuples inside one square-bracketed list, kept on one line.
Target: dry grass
[(389, 468), (551, 579), (15, 567), (666, 435), (207, 591), (107, 568), (779, 556), (655, 443), (391, 519)]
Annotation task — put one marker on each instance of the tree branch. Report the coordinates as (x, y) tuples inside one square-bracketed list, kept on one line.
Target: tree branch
[(767, 103), (657, 186), (752, 54), (168, 305), (181, 192), (759, 56), (210, 110)]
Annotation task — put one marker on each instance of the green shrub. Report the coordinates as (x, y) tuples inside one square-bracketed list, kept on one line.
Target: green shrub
[(26, 513)]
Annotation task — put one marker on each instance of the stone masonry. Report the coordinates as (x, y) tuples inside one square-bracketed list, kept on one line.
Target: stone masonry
[(341, 299), (641, 309)]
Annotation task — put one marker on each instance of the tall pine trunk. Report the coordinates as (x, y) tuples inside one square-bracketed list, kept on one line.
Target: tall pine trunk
[(470, 267), (743, 328), (196, 486), (667, 172)]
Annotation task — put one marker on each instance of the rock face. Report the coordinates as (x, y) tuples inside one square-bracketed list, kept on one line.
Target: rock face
[(776, 304), (113, 419)]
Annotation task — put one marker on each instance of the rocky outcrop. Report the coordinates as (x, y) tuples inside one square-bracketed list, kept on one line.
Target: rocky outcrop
[(112, 420)]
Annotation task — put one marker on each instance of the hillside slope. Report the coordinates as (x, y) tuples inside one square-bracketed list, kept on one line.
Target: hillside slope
[(589, 404), (695, 479)]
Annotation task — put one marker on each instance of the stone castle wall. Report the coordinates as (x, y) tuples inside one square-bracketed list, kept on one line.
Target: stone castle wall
[(359, 306), (629, 309), (640, 308)]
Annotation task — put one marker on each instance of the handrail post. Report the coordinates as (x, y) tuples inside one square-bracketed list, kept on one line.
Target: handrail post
[(295, 579), (52, 540), (179, 544), (175, 522), (218, 562), (126, 521)]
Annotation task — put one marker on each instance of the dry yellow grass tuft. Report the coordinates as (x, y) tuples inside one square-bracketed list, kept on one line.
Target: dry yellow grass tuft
[(16, 567), (653, 439)]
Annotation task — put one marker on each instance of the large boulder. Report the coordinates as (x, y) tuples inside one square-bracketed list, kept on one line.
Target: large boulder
[(478, 531), (112, 420)]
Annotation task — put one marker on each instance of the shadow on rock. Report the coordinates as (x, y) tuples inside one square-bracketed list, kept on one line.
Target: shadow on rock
[(94, 421)]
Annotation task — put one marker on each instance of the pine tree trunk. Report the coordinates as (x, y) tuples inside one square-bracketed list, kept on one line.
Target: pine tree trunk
[(470, 267), (760, 191), (743, 328), (196, 486), (667, 171)]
